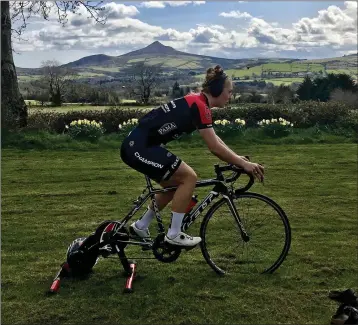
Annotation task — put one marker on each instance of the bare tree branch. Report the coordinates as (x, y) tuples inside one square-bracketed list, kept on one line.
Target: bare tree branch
[(58, 79), (23, 10), (145, 78)]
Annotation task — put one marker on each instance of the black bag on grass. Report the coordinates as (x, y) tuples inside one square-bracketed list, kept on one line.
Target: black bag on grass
[(347, 312)]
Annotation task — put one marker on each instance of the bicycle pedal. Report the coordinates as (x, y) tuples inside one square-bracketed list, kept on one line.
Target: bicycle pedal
[(188, 248)]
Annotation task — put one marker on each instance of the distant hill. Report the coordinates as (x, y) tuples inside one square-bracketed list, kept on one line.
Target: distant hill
[(156, 53), (97, 59), (103, 66)]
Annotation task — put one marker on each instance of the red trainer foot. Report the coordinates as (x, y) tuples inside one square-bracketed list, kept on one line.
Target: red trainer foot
[(129, 283)]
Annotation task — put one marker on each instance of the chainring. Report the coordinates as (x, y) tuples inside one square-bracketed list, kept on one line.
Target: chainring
[(163, 251)]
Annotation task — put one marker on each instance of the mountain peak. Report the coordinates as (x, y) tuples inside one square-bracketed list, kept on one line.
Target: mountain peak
[(157, 47), (154, 48), (156, 44)]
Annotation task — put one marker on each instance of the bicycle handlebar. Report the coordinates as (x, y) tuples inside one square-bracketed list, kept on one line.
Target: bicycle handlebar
[(238, 171)]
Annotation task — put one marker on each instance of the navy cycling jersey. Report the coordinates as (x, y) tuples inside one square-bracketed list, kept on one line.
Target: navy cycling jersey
[(175, 118)]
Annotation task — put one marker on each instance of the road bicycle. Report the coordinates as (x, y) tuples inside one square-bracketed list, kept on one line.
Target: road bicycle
[(242, 230)]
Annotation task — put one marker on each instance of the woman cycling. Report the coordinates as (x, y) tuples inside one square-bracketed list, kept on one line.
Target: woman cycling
[(143, 150)]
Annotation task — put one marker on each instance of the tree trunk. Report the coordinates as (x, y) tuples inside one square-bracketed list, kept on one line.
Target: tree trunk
[(13, 107)]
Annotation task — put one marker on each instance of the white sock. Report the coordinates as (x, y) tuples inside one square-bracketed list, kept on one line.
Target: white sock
[(175, 225), (144, 221)]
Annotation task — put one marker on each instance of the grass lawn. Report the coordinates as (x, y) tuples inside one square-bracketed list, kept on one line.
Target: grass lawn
[(49, 198), (74, 107)]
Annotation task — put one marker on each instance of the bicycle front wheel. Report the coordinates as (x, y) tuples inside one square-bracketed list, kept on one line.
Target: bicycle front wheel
[(226, 249)]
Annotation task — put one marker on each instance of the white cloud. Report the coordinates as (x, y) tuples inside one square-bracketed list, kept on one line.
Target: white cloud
[(116, 10), (235, 14), (220, 27), (334, 25), (178, 3), (153, 4), (217, 27), (162, 4), (329, 31), (267, 34)]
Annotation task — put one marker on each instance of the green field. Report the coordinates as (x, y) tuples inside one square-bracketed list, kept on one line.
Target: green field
[(353, 72), (51, 197), (272, 67), (171, 62), (277, 81), (88, 74), (343, 59), (28, 78), (285, 67), (285, 81), (75, 107), (81, 74), (107, 69)]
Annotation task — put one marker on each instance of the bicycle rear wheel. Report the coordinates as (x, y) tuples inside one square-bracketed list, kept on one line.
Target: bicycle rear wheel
[(263, 220)]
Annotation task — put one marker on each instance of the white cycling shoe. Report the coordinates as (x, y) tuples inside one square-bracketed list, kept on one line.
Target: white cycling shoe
[(183, 239), (144, 234)]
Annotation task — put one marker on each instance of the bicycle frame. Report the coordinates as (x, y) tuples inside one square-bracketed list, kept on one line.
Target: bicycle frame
[(219, 187)]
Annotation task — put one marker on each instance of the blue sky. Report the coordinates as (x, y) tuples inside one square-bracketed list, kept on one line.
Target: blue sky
[(283, 12), (235, 29)]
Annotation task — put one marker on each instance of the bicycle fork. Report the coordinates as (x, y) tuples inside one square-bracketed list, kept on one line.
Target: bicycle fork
[(244, 235)]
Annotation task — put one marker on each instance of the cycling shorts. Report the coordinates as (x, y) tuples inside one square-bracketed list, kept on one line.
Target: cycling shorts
[(155, 161)]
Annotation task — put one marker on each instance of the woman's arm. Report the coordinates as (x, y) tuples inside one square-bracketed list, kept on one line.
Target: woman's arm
[(220, 150), (223, 143)]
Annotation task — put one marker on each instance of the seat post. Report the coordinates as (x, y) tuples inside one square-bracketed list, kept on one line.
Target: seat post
[(149, 183)]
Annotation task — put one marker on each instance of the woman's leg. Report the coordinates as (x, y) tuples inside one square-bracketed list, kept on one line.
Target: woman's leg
[(162, 200), (186, 179)]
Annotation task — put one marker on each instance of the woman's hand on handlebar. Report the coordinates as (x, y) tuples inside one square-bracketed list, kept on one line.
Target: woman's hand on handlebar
[(254, 169), (244, 158)]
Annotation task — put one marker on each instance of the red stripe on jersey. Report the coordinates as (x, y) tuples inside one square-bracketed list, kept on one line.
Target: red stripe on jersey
[(200, 101)]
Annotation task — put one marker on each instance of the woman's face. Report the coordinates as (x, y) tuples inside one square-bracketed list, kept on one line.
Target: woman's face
[(225, 96)]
